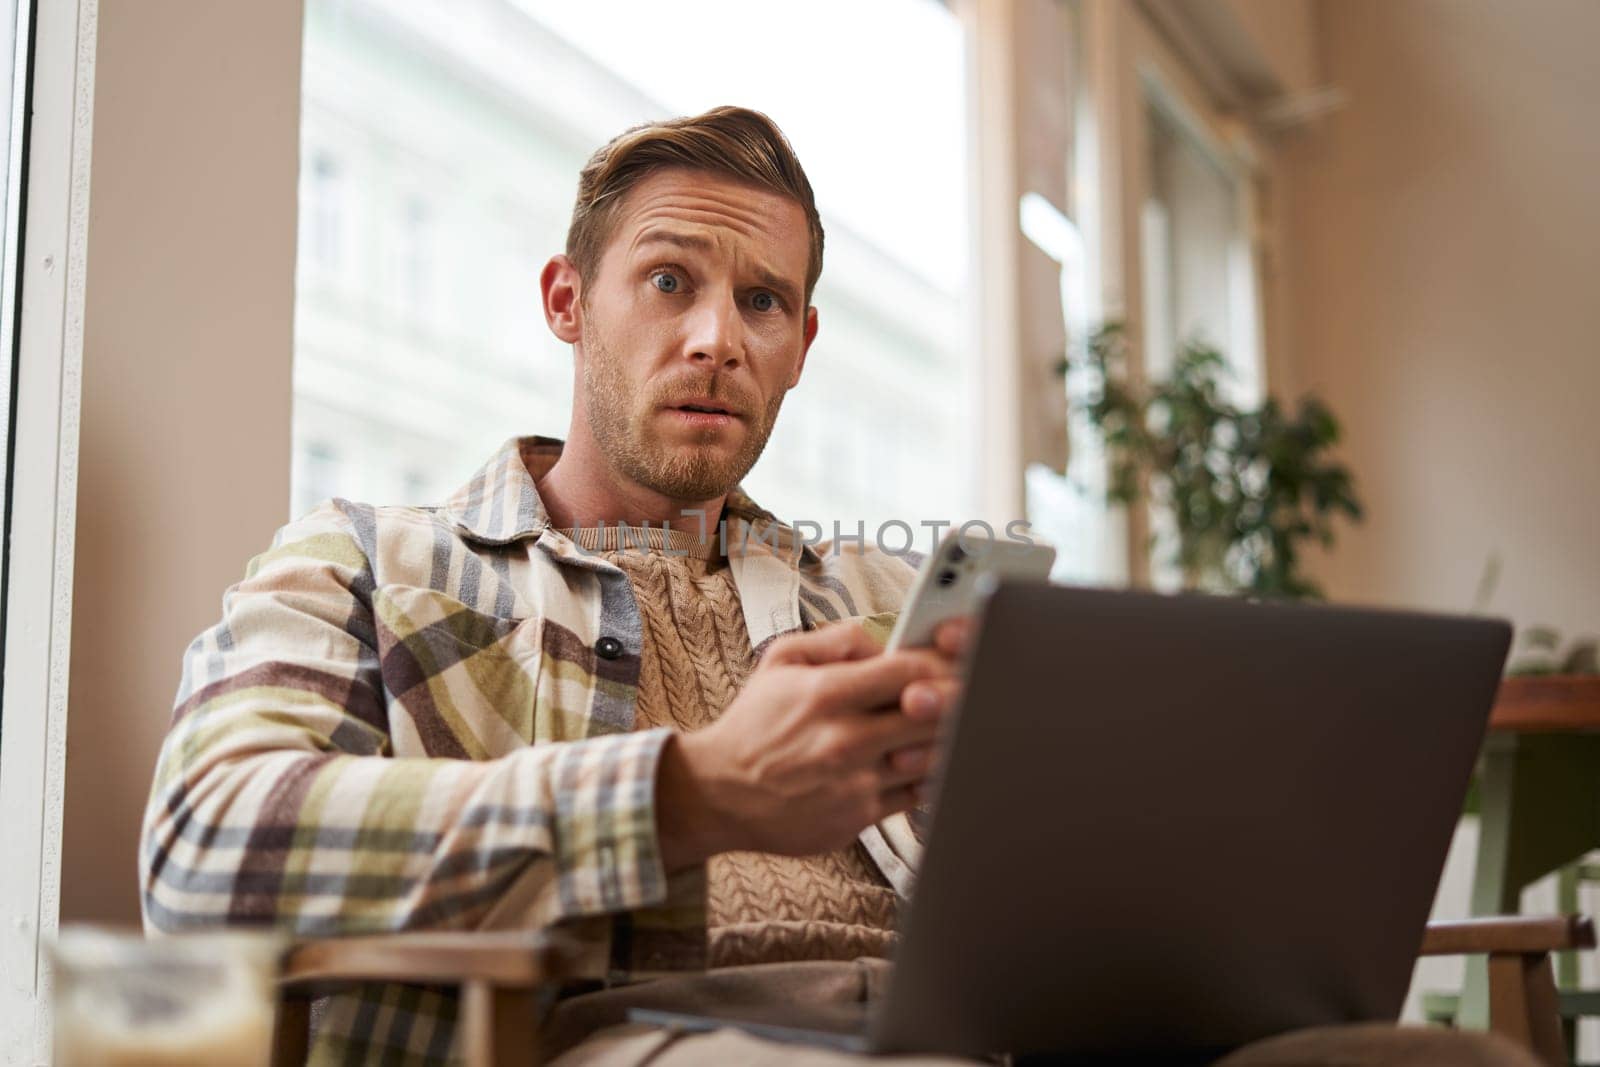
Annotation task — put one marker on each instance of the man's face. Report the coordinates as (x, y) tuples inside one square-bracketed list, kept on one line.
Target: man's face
[(692, 330)]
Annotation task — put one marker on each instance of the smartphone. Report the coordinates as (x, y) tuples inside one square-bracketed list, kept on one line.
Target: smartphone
[(955, 576)]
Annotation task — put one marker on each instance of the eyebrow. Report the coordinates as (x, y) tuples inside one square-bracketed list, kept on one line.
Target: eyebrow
[(768, 277)]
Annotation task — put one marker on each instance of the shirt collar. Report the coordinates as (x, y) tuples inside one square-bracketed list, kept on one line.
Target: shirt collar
[(500, 503)]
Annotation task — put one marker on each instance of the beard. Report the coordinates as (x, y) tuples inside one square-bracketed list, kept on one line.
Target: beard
[(623, 422)]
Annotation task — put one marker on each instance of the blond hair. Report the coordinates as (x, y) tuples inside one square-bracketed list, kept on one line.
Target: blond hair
[(735, 142)]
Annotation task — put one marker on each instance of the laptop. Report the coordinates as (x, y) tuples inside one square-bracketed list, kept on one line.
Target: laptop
[(1170, 826)]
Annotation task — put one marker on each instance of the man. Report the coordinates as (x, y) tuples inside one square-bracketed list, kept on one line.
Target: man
[(511, 712)]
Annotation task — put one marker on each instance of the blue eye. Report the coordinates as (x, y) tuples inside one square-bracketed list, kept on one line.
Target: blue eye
[(667, 283), (763, 301)]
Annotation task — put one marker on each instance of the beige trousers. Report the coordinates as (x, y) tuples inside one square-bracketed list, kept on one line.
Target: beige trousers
[(591, 1030)]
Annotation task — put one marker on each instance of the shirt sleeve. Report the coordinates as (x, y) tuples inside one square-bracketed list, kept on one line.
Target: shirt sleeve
[(277, 800)]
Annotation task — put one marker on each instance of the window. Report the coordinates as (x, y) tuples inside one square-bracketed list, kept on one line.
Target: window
[(1196, 262), (49, 67), (413, 261), (414, 488), (1159, 232), (317, 478), (323, 212), (1194, 246), (1058, 214), (462, 136)]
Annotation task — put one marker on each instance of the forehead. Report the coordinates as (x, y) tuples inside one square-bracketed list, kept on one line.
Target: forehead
[(730, 215)]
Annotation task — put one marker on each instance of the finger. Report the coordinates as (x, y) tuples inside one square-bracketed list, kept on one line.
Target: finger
[(878, 681), (875, 736), (900, 798), (907, 765), (930, 698), (954, 636), (834, 643)]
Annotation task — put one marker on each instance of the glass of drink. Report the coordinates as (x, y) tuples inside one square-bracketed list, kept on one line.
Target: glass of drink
[(202, 999)]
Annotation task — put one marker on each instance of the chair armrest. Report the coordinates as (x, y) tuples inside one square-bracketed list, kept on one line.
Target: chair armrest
[(1512, 935), (515, 958), (499, 975), (1522, 992)]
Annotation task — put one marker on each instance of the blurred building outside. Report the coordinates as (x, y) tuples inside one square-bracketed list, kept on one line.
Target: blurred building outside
[(440, 152)]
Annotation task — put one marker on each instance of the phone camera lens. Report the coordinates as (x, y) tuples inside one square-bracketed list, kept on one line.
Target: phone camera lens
[(947, 578), (956, 554)]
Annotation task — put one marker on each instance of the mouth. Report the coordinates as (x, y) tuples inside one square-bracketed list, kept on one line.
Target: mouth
[(704, 413), (705, 405)]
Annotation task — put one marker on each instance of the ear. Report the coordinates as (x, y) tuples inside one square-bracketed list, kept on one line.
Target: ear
[(805, 346), (561, 286)]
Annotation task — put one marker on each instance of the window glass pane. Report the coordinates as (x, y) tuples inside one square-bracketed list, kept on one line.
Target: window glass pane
[(1069, 508), (322, 210), (441, 145), (1198, 280)]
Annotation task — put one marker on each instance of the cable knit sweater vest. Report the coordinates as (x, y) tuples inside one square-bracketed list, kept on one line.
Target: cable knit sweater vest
[(761, 908)]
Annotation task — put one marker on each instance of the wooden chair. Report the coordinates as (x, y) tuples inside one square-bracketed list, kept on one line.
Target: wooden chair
[(1573, 1001), (501, 975), (1522, 988)]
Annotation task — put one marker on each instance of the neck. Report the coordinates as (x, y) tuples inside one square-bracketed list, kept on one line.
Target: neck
[(582, 489)]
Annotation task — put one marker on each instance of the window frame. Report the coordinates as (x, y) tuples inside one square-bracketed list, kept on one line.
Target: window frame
[(1168, 85), (1132, 62), (49, 354)]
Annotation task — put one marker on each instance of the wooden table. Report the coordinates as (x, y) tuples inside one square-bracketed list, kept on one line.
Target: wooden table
[(1539, 791)]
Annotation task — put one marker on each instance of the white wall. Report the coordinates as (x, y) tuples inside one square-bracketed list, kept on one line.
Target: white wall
[(184, 469), (1445, 261)]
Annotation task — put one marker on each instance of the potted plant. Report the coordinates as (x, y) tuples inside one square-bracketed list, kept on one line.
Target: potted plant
[(1245, 487)]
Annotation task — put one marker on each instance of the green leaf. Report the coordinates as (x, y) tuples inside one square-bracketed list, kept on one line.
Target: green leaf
[(1243, 487)]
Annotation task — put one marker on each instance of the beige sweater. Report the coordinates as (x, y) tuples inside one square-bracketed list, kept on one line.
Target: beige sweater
[(761, 908)]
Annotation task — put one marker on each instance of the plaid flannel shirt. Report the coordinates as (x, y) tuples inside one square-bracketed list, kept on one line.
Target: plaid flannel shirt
[(423, 718)]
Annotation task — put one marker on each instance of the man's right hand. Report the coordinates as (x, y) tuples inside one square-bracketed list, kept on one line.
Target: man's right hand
[(829, 735)]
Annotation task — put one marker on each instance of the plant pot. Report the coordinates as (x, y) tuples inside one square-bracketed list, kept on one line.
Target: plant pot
[(1547, 702)]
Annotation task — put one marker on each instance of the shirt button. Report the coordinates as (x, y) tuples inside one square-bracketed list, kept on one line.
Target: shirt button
[(608, 648)]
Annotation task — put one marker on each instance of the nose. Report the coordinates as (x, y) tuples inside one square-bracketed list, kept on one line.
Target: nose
[(715, 337)]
